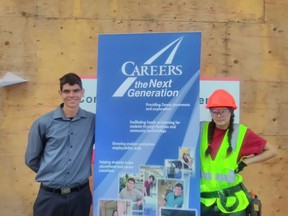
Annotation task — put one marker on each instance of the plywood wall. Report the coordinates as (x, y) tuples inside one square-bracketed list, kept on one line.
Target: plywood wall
[(41, 40)]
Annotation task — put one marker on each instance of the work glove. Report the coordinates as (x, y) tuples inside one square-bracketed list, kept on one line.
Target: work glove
[(241, 166)]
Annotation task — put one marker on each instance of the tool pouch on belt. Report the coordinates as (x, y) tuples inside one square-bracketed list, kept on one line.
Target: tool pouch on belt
[(231, 199), (233, 202), (224, 202), (255, 207)]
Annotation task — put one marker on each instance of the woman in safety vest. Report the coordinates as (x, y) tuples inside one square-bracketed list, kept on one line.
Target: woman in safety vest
[(226, 148)]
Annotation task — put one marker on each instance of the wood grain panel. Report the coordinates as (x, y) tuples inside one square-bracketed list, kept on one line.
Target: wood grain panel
[(269, 179), (41, 40), (149, 10)]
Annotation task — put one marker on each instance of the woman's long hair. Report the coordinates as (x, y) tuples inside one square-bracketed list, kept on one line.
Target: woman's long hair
[(211, 129)]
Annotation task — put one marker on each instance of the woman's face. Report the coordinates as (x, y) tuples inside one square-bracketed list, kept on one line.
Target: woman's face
[(115, 213), (221, 116)]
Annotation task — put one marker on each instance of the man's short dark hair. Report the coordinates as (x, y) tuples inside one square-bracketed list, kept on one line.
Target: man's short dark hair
[(179, 185), (151, 176), (131, 179), (71, 79)]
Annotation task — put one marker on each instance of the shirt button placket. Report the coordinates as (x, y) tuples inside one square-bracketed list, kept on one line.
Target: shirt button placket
[(69, 151)]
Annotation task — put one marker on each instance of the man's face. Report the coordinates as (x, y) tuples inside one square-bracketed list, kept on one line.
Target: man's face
[(130, 185), (71, 95), (177, 191)]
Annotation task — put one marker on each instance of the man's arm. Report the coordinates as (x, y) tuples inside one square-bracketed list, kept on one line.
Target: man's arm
[(35, 147), (140, 198), (163, 203)]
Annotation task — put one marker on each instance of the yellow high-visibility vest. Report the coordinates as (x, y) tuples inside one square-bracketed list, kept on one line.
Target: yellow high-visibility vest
[(219, 174)]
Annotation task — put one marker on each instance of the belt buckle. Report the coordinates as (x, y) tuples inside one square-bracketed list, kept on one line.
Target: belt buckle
[(65, 190)]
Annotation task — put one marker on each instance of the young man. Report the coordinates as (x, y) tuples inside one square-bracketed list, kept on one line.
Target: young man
[(226, 148), (174, 199), (131, 193), (59, 151)]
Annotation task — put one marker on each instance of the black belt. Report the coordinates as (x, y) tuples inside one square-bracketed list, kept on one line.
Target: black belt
[(227, 191), (223, 194), (65, 190)]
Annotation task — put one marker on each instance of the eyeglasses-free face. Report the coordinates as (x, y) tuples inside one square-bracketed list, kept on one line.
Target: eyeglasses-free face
[(71, 95), (130, 185)]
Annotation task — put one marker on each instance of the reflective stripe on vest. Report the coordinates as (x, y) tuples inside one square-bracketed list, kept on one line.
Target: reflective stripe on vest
[(230, 177), (205, 175)]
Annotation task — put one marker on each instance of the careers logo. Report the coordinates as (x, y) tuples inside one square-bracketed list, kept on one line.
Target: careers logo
[(148, 69)]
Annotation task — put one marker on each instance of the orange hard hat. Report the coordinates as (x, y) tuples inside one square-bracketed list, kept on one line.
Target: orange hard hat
[(221, 98)]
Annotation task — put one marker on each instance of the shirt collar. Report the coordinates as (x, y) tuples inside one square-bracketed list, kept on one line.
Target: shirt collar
[(58, 113)]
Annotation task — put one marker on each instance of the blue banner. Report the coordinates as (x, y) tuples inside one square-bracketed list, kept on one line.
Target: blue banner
[(147, 124)]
